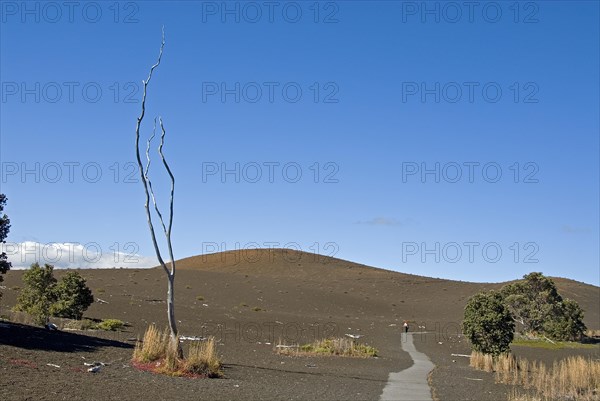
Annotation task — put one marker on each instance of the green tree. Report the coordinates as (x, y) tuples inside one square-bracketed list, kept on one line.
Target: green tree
[(72, 296), (488, 323), (536, 304), (532, 301), (4, 229), (567, 324), (37, 296)]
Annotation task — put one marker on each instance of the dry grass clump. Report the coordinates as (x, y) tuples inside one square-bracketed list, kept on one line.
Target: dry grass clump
[(516, 395), (482, 361), (573, 378), (157, 353), (507, 369), (202, 359), (592, 333), (153, 347), (339, 346)]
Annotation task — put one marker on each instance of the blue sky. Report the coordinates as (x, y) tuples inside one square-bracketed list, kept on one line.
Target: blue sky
[(359, 97)]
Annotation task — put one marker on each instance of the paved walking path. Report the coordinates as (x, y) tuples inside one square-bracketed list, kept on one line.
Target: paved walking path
[(410, 384)]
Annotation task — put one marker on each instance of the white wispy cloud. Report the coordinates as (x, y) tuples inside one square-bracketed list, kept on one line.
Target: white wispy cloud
[(72, 255), (574, 230), (385, 221)]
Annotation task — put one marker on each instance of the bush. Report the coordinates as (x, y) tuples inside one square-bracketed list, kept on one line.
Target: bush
[(73, 297), (37, 297), (110, 325), (42, 297), (568, 322), (488, 323), (84, 324)]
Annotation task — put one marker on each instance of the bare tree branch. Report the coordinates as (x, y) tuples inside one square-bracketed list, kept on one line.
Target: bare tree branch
[(168, 232), (150, 182), (139, 159), (149, 191)]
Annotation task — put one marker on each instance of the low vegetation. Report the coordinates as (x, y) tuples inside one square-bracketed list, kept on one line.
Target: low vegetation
[(42, 296), (88, 324), (340, 346), (541, 343), (155, 353), (573, 378), (110, 325)]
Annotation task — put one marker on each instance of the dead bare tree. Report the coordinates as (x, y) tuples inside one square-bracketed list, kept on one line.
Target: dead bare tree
[(144, 174)]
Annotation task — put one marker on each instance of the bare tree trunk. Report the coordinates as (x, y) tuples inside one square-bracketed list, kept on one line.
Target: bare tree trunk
[(171, 308), (150, 195)]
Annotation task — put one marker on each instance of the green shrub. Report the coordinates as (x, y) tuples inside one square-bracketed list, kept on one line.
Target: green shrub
[(42, 297), (72, 296), (488, 323), (37, 297), (84, 324), (110, 324)]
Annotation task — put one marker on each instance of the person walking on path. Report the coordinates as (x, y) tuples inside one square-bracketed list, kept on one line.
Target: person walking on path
[(405, 326)]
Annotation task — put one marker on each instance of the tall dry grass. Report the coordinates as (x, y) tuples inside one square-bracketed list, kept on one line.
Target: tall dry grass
[(573, 378), (482, 361), (516, 395), (202, 359), (158, 348), (592, 333), (340, 346), (153, 347)]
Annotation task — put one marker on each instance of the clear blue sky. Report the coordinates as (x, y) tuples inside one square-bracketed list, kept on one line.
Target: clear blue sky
[(386, 91)]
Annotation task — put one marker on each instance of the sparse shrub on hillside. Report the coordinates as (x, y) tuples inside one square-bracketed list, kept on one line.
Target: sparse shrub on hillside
[(84, 324), (200, 298), (72, 296), (488, 323), (37, 297), (110, 325), (42, 297)]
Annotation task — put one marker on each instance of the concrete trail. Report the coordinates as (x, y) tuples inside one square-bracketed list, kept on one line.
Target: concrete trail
[(410, 384)]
